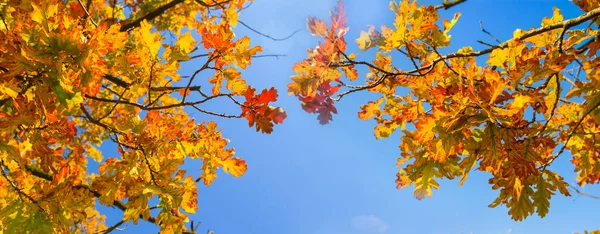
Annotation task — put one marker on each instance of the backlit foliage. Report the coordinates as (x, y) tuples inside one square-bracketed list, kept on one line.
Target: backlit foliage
[(76, 74), (535, 99)]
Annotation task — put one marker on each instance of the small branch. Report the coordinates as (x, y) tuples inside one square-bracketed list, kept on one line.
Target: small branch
[(153, 14), (410, 56), (87, 13), (254, 56), (557, 93), (267, 36), (562, 149), (5, 24), (448, 4), (94, 121), (560, 38), (159, 11), (217, 114), (269, 55), (116, 81), (585, 45), (485, 43), (488, 33), (112, 228), (16, 188), (576, 190), (417, 72), (149, 167), (372, 85)]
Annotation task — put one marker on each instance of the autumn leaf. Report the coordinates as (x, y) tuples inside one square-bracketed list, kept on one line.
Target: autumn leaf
[(511, 115), (259, 113), (425, 130), (316, 27), (76, 76), (369, 39), (370, 110), (235, 166)]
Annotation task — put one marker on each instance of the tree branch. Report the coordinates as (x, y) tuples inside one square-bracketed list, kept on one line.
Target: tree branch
[(565, 25), (447, 4), (87, 13), (158, 11), (562, 149), (265, 35), (150, 16), (117, 81), (576, 190)]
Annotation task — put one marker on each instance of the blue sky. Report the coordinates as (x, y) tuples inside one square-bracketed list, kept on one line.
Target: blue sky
[(307, 178)]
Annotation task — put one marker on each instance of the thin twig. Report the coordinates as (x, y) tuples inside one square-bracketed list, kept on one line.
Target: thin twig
[(447, 4), (562, 149), (87, 13), (5, 24), (488, 33), (112, 228), (554, 105), (576, 190), (265, 35)]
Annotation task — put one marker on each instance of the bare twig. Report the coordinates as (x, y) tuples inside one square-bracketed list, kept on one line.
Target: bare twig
[(150, 16), (447, 4), (265, 35), (254, 56), (112, 228), (485, 43), (5, 24), (576, 190), (488, 33)]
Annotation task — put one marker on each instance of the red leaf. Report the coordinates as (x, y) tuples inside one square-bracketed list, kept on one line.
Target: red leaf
[(338, 17)]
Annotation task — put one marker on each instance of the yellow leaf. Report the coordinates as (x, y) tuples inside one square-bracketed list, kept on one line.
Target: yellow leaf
[(37, 14), (498, 57), (556, 17), (151, 189), (232, 15), (94, 153), (425, 130), (75, 101), (517, 33), (515, 107), (237, 167), (370, 110), (189, 201), (51, 10), (186, 43), (517, 187), (384, 131), (6, 91), (152, 40), (520, 101), (25, 147), (449, 25), (369, 39)]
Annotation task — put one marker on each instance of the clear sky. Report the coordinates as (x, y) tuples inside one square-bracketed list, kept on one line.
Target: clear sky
[(306, 178)]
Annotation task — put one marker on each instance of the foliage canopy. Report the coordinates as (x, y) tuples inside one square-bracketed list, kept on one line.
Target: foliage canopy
[(535, 98), (75, 74)]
